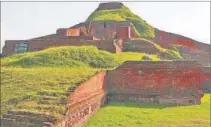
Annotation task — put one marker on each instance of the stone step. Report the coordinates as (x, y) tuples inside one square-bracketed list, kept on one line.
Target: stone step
[(67, 93), (21, 124), (47, 124), (27, 124), (24, 113), (29, 114), (48, 98), (54, 102), (70, 91), (73, 88), (63, 100), (10, 116), (6, 122), (14, 119), (34, 119)]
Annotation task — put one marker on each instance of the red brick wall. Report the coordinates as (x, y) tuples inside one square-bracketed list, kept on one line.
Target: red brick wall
[(9, 48), (94, 85), (73, 32), (153, 77), (100, 31), (161, 79), (140, 45), (122, 32), (61, 31), (179, 99), (86, 99), (169, 99), (36, 45), (133, 33), (69, 32)]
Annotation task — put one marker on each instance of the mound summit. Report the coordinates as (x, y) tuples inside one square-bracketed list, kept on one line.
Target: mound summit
[(114, 21)]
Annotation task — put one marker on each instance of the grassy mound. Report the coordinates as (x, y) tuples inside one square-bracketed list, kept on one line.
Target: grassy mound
[(38, 81), (141, 28), (40, 89), (174, 53), (63, 56), (151, 115), (72, 56)]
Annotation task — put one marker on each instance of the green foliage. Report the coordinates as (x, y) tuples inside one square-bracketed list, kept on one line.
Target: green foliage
[(27, 88), (172, 52), (141, 28), (38, 81), (63, 56), (127, 56), (50, 73), (47, 75), (128, 114), (71, 56)]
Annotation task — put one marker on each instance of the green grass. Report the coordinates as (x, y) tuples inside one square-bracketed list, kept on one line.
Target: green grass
[(141, 28), (86, 56), (26, 88), (172, 52), (27, 79), (148, 115), (72, 56), (37, 81)]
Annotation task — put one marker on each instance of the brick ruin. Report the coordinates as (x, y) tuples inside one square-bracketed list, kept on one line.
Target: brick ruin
[(27, 119), (177, 82), (112, 29), (139, 46), (107, 35), (113, 46), (86, 100), (104, 35), (162, 82), (109, 6), (157, 82)]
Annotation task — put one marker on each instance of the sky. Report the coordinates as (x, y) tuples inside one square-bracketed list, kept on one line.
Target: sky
[(25, 20)]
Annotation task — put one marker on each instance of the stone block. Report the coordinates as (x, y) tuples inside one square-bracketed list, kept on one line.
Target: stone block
[(10, 116), (47, 124), (6, 122)]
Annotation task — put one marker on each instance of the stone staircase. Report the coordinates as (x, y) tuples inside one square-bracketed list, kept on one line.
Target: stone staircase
[(31, 119), (26, 119)]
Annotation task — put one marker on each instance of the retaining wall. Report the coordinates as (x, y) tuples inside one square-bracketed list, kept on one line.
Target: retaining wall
[(129, 82), (38, 44), (156, 80), (86, 100)]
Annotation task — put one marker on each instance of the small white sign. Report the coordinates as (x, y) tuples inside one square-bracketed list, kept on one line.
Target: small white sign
[(21, 47)]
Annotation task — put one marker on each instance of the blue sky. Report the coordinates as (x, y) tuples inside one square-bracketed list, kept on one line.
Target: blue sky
[(24, 20)]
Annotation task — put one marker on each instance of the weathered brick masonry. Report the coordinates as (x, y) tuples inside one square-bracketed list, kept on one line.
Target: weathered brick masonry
[(103, 35), (149, 82), (141, 81), (111, 29), (37, 45), (85, 100), (156, 82)]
